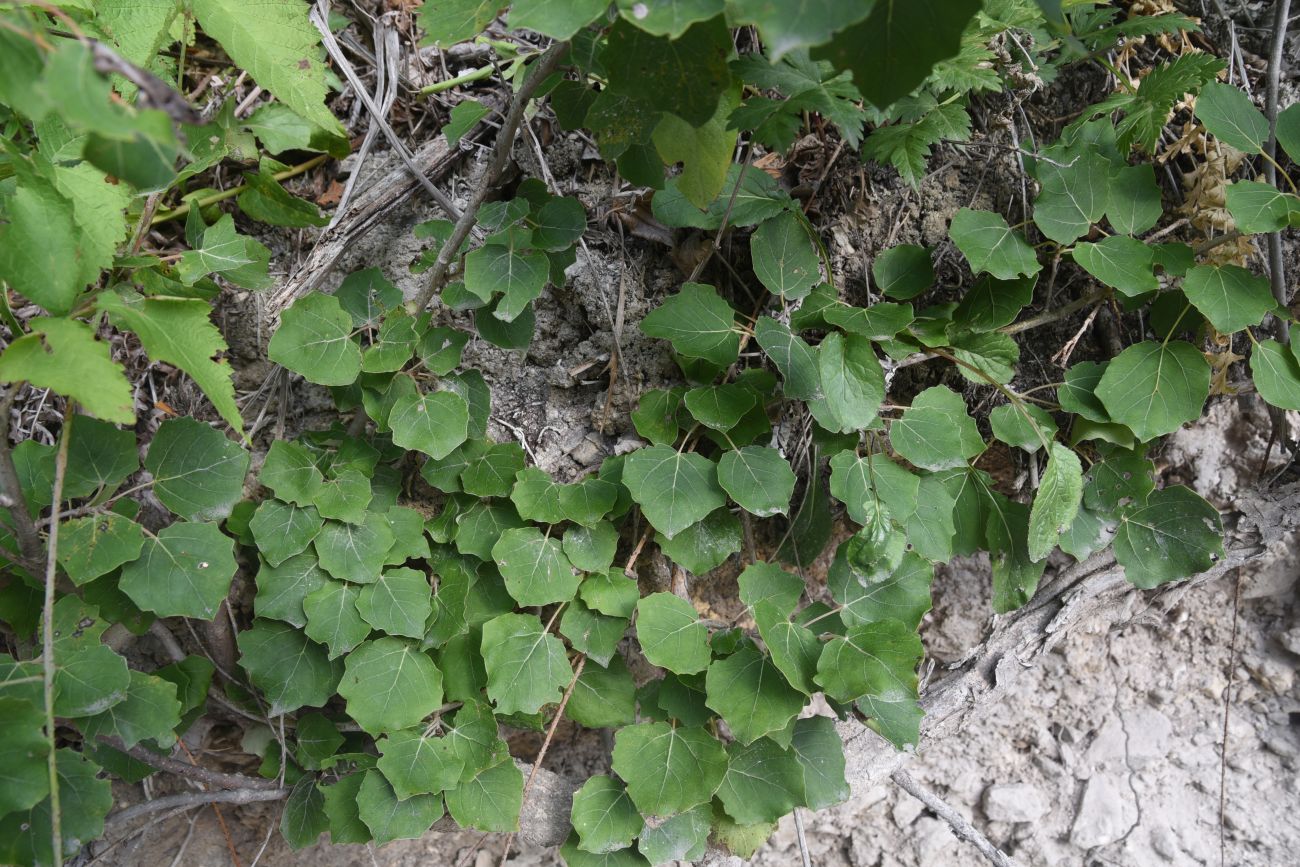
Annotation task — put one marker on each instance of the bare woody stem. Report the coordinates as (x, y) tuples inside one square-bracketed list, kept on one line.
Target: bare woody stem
[(47, 628), (191, 772), (535, 75)]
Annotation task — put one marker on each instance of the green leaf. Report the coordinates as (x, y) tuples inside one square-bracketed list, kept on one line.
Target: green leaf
[(685, 76), (1073, 194), (820, 753), (1257, 207), (355, 552), (63, 355), (480, 526), (474, 739), (902, 594), (759, 479), (389, 685), (526, 667), (1276, 371), (655, 417), (704, 150), (184, 571), (150, 710), (683, 837), (393, 346), (332, 617), (1057, 501), (935, 432), (290, 473), (587, 501), (751, 694), (1123, 263), (265, 201), (668, 18), (280, 129), (535, 569), (895, 48), (345, 496), (434, 423), (591, 549), (1231, 117), (604, 816), (795, 359), (719, 407), (704, 545), (991, 356), (398, 603), (784, 258), (315, 340), (519, 275), (853, 384), (391, 819), (40, 244), (84, 800), (671, 634), (558, 20), (794, 648), (289, 669), (304, 818), (802, 24), (1231, 297), (1133, 203), (1173, 535), (875, 664), (493, 474), (878, 322), (96, 545), (603, 697), (591, 632), (24, 770), (768, 583), (763, 782), (491, 801), (283, 530), (1011, 427), (282, 588), (238, 258), (903, 271), (88, 680), (341, 810), (280, 48), (668, 769), (610, 592), (674, 489), (1154, 388), (698, 322), (859, 482), (198, 473), (1078, 394), (451, 21), (989, 244), (416, 763)]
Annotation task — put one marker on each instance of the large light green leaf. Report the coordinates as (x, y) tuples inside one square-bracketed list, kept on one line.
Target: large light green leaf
[(519, 275), (237, 258), (534, 567), (1276, 371), (604, 816), (991, 303), (896, 47), (315, 340), (989, 244), (1232, 118), (1057, 501), (674, 489), (784, 258), (704, 545), (1025, 427), (184, 571), (1173, 535), (1155, 388), (1229, 296), (698, 322), (751, 694), (1257, 207), (434, 423), (291, 670), (526, 666), (671, 634), (936, 432), (705, 150), (683, 837), (853, 383), (875, 664), (276, 43), (63, 355), (719, 407), (345, 495), (1123, 263), (768, 583), (592, 632), (291, 473), (759, 479), (668, 18), (390, 684), (668, 769)]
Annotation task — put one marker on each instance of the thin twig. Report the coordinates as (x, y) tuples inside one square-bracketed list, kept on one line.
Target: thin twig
[(190, 771), (534, 76), (47, 626), (1227, 710), (804, 856), (546, 745), (194, 799), (962, 828)]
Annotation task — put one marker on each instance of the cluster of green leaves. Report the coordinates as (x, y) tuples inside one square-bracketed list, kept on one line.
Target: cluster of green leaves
[(417, 585)]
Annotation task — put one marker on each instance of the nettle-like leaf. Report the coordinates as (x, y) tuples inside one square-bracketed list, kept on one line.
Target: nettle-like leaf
[(668, 769), (526, 667), (698, 322), (1174, 534), (390, 685), (315, 340), (63, 355), (989, 244), (1155, 388)]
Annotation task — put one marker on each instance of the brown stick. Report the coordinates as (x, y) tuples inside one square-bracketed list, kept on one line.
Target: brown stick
[(190, 771)]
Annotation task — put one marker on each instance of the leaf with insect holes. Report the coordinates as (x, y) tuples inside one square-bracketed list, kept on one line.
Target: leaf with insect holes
[(183, 571), (63, 355), (1173, 535), (315, 340), (1229, 296), (671, 634), (291, 670), (96, 545), (1155, 388), (526, 667), (668, 769), (389, 684), (989, 244)]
